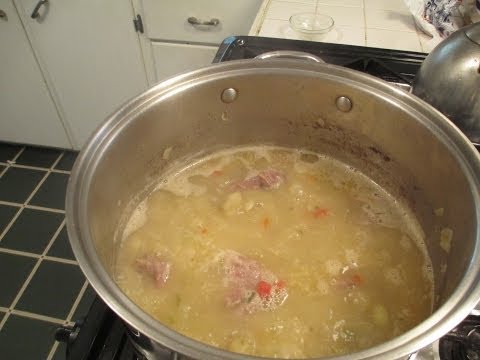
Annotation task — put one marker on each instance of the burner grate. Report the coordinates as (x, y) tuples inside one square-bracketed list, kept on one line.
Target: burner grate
[(398, 67), (462, 343)]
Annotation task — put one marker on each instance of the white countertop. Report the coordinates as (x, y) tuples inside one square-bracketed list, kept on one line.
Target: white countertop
[(375, 23)]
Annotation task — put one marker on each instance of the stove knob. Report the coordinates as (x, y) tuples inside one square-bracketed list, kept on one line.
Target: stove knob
[(63, 334), (67, 334)]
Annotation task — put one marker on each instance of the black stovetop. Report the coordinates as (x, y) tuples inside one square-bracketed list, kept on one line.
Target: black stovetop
[(390, 65), (102, 335)]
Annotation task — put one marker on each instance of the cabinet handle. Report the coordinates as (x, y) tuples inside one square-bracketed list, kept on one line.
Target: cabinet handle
[(194, 21), (3, 15), (35, 12)]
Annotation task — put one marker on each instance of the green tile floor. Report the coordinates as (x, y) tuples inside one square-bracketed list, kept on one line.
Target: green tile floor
[(41, 285)]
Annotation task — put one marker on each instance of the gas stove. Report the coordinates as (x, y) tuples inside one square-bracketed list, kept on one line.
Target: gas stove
[(394, 66), (102, 335)]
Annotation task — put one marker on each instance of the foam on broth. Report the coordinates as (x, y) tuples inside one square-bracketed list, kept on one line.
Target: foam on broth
[(322, 262)]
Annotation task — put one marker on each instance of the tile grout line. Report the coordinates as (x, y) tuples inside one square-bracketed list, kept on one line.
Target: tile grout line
[(17, 156), (38, 168), (32, 194), (19, 253), (35, 316), (47, 173), (37, 256), (290, 1), (59, 159), (42, 208), (69, 317), (30, 276), (52, 350), (8, 164), (3, 171), (60, 260), (12, 163), (56, 161), (57, 171), (28, 167), (15, 217), (10, 224), (23, 206), (33, 207), (77, 301), (393, 30), (9, 203), (52, 240)]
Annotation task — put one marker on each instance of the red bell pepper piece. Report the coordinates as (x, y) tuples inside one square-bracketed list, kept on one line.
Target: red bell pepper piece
[(264, 289)]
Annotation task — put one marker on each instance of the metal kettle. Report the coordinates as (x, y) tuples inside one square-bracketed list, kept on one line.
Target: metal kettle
[(449, 79)]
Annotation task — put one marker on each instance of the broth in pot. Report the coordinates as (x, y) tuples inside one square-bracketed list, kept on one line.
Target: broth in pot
[(276, 252)]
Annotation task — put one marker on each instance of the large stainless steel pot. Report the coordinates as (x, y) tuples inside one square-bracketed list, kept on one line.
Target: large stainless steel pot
[(398, 140)]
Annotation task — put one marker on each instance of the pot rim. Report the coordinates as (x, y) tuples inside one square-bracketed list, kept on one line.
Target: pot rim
[(445, 318)]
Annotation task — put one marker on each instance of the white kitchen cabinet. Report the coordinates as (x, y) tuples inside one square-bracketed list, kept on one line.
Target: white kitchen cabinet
[(28, 113), (172, 45), (175, 58), (168, 19), (90, 55)]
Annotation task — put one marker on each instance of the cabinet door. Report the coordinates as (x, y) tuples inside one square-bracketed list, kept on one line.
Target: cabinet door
[(28, 114), (92, 56), (168, 19), (172, 59)]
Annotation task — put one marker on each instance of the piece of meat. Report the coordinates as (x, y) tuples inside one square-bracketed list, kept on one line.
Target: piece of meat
[(250, 286), (271, 178), (265, 179), (158, 268)]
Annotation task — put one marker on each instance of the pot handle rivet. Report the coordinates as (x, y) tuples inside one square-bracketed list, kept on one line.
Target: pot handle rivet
[(344, 104), (229, 95)]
